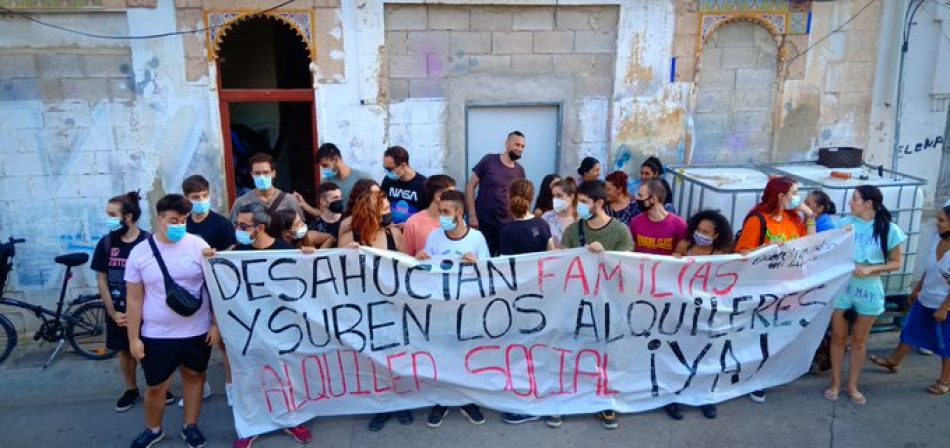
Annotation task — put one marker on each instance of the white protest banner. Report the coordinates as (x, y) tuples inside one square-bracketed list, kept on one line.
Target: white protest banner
[(362, 331)]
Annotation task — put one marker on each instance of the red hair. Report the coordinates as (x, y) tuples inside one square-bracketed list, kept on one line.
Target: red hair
[(619, 180), (771, 204), (366, 216)]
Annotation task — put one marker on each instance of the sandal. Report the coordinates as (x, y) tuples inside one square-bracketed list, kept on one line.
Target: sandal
[(939, 388), (831, 394), (857, 397), (884, 363)]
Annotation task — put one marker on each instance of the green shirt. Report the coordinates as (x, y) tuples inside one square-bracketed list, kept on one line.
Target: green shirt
[(614, 236)]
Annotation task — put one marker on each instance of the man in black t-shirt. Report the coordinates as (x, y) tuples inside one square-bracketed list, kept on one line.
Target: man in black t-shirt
[(215, 229), (108, 261), (404, 187)]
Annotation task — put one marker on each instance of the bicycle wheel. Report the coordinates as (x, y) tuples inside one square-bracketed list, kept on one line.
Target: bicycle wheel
[(8, 338), (86, 331)]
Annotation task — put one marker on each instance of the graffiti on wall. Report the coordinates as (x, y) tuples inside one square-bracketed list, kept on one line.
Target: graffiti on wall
[(925, 145)]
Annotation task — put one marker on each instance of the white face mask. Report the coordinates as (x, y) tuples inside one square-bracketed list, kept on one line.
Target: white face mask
[(300, 233), (559, 205)]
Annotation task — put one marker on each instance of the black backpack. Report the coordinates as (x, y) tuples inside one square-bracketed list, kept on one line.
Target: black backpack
[(762, 225)]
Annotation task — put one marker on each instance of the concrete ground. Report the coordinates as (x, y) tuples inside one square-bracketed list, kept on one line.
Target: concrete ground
[(71, 405)]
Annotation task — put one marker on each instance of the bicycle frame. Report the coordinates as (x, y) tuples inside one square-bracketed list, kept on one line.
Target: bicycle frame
[(44, 313)]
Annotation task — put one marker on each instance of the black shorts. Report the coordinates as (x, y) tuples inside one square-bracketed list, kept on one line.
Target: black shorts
[(117, 338), (164, 356)]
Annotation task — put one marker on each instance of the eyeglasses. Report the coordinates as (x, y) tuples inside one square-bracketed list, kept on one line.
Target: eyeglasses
[(245, 227)]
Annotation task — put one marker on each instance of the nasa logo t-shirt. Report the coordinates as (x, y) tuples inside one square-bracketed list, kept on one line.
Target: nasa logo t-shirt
[(406, 198)]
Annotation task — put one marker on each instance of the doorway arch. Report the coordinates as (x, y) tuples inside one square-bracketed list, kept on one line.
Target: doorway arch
[(266, 101)]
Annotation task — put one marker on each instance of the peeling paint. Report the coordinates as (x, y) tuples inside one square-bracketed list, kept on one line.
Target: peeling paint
[(636, 70)]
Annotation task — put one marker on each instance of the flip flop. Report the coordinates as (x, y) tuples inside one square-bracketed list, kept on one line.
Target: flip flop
[(831, 394), (857, 397), (884, 363), (939, 388)]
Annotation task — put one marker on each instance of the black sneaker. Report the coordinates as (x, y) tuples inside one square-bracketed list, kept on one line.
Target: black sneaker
[(193, 436), (709, 411), (147, 438), (473, 413), (437, 416), (516, 419), (553, 421), (379, 421), (674, 411), (758, 396), (608, 419), (169, 397), (404, 417), (127, 400)]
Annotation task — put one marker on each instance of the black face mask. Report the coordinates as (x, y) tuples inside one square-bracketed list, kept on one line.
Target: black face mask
[(945, 235), (336, 206), (120, 231), (386, 220), (513, 155)]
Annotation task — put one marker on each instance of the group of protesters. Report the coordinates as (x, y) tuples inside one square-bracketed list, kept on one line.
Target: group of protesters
[(498, 212)]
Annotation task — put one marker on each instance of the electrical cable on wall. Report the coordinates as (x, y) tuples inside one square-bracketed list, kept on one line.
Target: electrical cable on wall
[(26, 16), (826, 36)]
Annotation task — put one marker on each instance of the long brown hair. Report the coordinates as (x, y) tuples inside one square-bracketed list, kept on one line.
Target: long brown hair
[(366, 216), (520, 192)]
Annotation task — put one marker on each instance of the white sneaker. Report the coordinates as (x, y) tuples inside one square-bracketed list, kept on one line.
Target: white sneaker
[(205, 393), (229, 393)]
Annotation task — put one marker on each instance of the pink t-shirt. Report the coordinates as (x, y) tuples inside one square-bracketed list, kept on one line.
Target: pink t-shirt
[(657, 237), (183, 260), (416, 230)]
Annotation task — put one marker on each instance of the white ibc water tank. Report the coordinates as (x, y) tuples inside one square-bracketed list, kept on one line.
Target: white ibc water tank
[(903, 196)]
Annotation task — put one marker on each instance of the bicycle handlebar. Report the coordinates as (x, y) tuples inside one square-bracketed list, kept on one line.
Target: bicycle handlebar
[(17, 240)]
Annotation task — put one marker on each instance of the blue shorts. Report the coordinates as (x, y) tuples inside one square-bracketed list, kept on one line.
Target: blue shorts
[(865, 295), (921, 330)]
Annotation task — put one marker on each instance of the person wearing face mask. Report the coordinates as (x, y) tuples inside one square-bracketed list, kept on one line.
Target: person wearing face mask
[(488, 211), (655, 231), (404, 187), (215, 229), (417, 229), (927, 326), (564, 209), (779, 217), (459, 242), (108, 261), (598, 232), (287, 225), (265, 193), (251, 230), (334, 169), (371, 223), (707, 233), (162, 340), (652, 168), (326, 227)]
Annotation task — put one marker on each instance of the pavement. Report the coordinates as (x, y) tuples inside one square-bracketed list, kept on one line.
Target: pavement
[(72, 405)]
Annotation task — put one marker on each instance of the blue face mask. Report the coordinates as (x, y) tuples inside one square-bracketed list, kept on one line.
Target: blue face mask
[(263, 182), (176, 232), (243, 237), (201, 207), (113, 223), (795, 202), (448, 223), (327, 173), (583, 210), (391, 175)]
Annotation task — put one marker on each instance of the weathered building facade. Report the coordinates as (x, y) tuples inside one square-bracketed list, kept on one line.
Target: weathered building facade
[(83, 118)]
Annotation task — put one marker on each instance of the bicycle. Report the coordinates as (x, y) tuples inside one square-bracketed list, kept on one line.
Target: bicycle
[(82, 323)]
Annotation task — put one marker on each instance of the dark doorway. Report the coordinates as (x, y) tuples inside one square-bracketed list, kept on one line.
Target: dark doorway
[(267, 104)]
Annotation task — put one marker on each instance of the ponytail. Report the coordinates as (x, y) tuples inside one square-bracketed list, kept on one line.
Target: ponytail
[(882, 216)]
